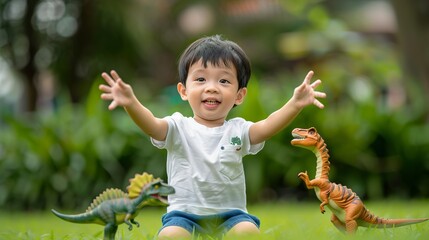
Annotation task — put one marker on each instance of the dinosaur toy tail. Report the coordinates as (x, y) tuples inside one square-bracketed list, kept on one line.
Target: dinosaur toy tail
[(371, 220), (391, 223), (86, 217)]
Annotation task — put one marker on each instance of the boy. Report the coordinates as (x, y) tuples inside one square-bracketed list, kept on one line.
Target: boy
[(204, 161)]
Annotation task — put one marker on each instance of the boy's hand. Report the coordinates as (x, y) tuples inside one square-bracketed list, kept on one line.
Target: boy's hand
[(119, 92), (305, 94)]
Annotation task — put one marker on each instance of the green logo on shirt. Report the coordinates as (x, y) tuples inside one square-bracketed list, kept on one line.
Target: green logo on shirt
[(236, 141)]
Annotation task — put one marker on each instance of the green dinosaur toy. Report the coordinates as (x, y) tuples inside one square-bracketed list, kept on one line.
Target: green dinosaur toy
[(348, 211), (114, 207)]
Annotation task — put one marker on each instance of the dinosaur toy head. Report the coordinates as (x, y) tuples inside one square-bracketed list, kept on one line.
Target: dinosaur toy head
[(158, 192), (155, 190), (305, 138)]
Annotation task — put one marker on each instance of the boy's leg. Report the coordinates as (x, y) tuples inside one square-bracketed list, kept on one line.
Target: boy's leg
[(174, 232), (243, 228), (239, 223)]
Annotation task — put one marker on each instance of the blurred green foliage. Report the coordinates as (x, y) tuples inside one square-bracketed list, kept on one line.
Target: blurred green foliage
[(69, 156)]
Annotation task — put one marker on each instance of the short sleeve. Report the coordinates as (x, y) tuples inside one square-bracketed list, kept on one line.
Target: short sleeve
[(251, 148), (242, 126), (171, 120)]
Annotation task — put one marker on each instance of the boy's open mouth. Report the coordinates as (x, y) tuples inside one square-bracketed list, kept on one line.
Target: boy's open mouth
[(211, 102)]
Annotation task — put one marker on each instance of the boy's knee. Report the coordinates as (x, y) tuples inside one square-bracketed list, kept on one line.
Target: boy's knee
[(174, 232), (244, 229)]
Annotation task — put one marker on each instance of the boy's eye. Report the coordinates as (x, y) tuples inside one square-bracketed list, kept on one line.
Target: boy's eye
[(224, 81), (200, 80)]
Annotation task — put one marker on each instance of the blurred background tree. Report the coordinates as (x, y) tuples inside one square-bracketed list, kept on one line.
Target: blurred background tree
[(59, 145)]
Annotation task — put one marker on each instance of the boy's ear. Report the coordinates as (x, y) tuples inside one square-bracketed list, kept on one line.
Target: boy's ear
[(182, 91), (241, 94)]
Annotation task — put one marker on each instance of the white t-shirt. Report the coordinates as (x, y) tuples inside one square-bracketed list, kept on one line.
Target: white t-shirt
[(204, 164)]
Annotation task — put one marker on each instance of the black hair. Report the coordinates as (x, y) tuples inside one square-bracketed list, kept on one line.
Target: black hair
[(215, 49)]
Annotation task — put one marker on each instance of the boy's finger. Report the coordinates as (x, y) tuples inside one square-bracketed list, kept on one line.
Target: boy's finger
[(318, 103), (113, 105), (104, 88), (316, 83), (108, 79), (115, 75), (106, 96), (307, 79), (319, 94), (121, 84)]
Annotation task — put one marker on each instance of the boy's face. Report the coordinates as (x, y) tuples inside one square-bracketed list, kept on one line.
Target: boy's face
[(211, 92)]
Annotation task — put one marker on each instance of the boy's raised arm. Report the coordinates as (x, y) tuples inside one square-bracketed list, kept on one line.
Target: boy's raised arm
[(303, 95), (121, 94)]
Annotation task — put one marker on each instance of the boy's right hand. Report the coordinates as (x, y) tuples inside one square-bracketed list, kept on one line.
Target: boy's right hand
[(120, 93)]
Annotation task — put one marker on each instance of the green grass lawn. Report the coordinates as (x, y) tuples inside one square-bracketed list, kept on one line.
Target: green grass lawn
[(286, 220)]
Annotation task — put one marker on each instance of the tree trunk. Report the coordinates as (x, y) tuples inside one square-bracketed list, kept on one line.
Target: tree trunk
[(30, 96), (80, 47), (413, 34)]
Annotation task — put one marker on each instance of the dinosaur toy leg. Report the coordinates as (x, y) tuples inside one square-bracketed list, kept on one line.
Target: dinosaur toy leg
[(110, 231), (323, 195), (351, 226), (130, 221), (135, 222), (353, 213), (337, 223), (318, 183), (304, 177)]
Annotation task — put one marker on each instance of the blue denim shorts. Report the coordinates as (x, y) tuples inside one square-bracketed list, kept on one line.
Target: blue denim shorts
[(212, 225)]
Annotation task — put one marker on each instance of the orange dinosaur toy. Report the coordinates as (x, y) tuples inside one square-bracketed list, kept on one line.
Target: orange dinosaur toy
[(348, 211)]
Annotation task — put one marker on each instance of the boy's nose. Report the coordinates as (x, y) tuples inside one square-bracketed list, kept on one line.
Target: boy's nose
[(211, 87)]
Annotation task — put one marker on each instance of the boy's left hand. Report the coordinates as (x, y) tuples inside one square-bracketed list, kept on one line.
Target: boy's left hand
[(305, 94)]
